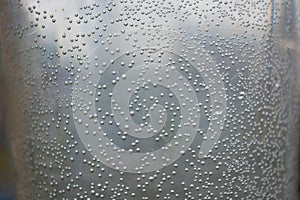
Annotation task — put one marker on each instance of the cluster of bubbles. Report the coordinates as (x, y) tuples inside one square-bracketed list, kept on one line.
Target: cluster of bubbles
[(136, 99)]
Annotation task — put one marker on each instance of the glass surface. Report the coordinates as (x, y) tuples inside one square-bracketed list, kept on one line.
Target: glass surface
[(163, 99)]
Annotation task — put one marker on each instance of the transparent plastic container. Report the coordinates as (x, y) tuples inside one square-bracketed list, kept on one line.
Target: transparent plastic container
[(166, 99)]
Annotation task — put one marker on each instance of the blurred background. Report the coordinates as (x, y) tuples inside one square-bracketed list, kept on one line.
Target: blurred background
[(6, 172)]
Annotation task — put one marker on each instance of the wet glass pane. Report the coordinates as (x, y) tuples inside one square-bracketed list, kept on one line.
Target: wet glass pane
[(162, 99)]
